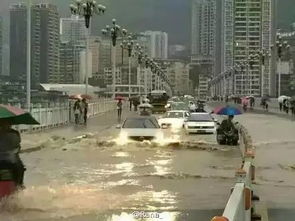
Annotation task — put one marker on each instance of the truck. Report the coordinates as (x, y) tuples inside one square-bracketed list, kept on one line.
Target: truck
[(158, 99)]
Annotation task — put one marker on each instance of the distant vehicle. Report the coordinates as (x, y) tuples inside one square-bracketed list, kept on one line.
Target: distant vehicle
[(158, 99), (141, 128), (179, 106), (174, 119), (200, 123)]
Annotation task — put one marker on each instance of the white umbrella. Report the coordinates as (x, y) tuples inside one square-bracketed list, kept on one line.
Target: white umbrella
[(145, 105), (282, 98)]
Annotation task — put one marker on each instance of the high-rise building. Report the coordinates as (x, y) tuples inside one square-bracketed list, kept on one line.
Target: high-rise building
[(203, 40), (203, 31), (18, 42), (45, 44), (73, 29), (157, 44), (252, 34), (245, 29), (67, 62), (1, 45)]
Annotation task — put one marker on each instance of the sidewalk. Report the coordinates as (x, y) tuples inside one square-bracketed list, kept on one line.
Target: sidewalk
[(102, 122), (272, 109)]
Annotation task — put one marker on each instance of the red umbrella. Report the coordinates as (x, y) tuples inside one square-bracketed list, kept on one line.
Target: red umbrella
[(86, 96), (75, 97), (119, 98), (80, 96)]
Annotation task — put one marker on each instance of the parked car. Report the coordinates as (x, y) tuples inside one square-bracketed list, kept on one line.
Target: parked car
[(174, 119), (200, 123), (141, 128)]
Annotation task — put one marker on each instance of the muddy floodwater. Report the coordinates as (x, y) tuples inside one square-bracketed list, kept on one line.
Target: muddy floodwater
[(107, 179)]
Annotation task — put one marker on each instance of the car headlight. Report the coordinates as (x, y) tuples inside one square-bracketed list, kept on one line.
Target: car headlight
[(123, 135), (159, 136)]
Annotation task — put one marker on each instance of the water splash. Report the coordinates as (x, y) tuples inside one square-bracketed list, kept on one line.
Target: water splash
[(59, 201)]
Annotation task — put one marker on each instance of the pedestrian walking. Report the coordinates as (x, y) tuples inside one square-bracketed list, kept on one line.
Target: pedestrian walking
[(252, 102), (119, 109), (84, 108), (281, 106), (77, 111), (287, 106), (130, 104), (266, 106), (135, 104)]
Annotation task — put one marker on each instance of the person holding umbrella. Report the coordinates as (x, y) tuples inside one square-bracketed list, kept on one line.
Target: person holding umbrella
[(77, 110), (84, 109), (119, 109), (227, 133), (10, 139), (10, 142)]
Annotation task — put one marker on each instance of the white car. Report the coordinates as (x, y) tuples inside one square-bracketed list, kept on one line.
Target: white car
[(174, 119), (141, 128), (200, 123)]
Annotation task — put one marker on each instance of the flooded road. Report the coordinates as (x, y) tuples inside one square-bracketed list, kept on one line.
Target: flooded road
[(95, 175), (184, 177)]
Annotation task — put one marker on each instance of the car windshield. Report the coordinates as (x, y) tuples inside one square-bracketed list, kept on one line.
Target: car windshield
[(174, 115), (200, 117), (179, 106), (140, 123)]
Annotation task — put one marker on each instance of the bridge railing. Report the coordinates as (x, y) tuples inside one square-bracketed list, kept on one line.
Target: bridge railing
[(51, 117), (240, 206)]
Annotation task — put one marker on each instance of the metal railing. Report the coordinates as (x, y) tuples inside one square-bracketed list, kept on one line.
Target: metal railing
[(51, 117), (240, 206)]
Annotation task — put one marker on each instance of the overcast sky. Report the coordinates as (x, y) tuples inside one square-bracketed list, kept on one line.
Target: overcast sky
[(172, 16)]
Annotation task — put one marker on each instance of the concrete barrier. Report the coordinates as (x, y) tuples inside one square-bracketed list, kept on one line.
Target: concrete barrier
[(240, 206)]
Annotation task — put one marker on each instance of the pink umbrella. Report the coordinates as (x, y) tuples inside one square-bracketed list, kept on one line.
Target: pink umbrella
[(245, 101)]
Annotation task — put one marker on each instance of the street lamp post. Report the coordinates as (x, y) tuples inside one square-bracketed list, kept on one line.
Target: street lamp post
[(251, 62), (262, 55), (281, 46), (114, 32), (29, 56), (147, 62), (140, 59), (129, 46), (87, 9)]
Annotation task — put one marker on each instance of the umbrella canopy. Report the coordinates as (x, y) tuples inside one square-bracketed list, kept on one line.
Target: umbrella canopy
[(119, 98), (245, 100), (228, 110), (282, 98), (15, 115), (265, 98), (145, 105), (80, 96)]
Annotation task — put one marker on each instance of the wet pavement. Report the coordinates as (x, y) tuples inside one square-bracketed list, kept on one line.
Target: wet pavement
[(99, 177)]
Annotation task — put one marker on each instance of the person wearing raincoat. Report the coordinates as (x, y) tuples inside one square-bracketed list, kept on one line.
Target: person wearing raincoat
[(10, 144), (227, 124)]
